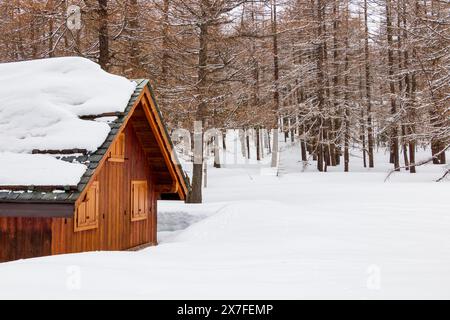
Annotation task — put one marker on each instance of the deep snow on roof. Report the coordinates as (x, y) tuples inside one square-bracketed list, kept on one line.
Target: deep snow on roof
[(40, 105), (41, 169)]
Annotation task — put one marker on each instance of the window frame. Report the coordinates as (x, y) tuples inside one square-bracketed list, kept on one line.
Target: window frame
[(138, 186), (117, 153), (84, 207)]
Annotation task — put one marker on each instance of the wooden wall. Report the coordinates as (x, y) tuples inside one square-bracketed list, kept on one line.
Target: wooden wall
[(24, 238), (116, 231)]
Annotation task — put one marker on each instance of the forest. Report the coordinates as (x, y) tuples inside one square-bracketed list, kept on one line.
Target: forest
[(319, 163), (332, 74)]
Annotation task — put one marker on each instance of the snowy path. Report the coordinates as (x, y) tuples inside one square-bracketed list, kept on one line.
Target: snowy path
[(301, 235)]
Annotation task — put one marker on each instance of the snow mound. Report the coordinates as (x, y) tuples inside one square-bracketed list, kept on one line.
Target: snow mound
[(244, 220), (40, 105)]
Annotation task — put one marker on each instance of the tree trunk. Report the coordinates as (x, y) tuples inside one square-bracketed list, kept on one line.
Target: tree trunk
[(242, 140), (274, 162), (303, 146), (165, 42), (320, 89), (291, 131), (368, 89), (258, 144), (346, 140), (346, 95), (134, 42), (411, 112), (50, 9), (195, 196), (103, 35), (336, 110), (224, 140), (205, 174), (197, 175), (216, 152), (411, 127), (405, 148), (394, 130), (247, 141), (276, 94), (402, 67)]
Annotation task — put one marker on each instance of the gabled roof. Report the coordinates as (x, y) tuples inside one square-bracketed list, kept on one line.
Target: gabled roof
[(58, 196)]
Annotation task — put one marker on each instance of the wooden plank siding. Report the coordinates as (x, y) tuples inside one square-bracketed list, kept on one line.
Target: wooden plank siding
[(116, 231), (22, 238)]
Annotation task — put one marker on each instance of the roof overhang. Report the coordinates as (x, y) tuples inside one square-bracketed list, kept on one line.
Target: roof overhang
[(158, 127)]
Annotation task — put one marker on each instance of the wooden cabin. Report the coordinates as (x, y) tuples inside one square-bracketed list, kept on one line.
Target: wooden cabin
[(114, 206)]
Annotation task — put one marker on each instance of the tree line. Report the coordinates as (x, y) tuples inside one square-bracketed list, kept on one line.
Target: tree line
[(333, 74)]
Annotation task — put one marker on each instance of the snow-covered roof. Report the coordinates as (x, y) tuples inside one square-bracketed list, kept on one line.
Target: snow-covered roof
[(44, 106)]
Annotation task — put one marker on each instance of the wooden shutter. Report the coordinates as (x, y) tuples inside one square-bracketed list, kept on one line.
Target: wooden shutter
[(118, 149), (139, 200), (87, 214)]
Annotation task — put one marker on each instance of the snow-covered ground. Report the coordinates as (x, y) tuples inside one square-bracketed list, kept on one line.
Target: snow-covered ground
[(300, 235)]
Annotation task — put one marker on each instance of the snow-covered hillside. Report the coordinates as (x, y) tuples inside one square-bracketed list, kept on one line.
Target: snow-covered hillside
[(300, 235)]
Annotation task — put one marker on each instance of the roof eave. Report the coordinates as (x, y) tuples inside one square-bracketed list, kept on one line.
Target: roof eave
[(185, 186)]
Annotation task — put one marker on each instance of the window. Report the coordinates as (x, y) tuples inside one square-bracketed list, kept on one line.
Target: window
[(139, 200), (87, 215), (117, 153)]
